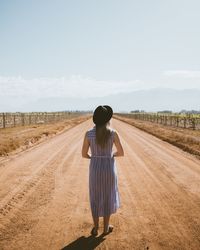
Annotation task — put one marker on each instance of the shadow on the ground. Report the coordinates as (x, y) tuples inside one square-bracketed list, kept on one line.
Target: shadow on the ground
[(85, 243)]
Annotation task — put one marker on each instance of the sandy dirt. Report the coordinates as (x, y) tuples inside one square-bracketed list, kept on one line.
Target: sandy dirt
[(44, 199)]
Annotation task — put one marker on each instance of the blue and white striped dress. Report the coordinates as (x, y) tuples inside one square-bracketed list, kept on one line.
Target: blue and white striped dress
[(103, 183)]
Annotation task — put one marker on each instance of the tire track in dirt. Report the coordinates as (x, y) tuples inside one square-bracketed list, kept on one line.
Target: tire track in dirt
[(27, 187), (13, 203), (166, 198)]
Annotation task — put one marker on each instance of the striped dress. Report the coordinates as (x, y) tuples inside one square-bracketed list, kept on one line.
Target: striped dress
[(103, 183)]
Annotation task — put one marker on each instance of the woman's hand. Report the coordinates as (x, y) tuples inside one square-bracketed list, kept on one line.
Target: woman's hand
[(120, 151), (85, 147)]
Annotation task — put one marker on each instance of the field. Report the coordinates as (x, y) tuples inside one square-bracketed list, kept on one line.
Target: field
[(191, 121), (23, 137), (44, 198), (9, 120), (184, 138)]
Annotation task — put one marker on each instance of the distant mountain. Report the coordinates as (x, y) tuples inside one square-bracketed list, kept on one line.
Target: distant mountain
[(148, 100)]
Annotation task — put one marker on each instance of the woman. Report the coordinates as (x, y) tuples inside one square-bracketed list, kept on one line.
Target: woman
[(103, 185)]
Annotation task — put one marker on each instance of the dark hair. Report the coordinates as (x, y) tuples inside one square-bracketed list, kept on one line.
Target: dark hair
[(102, 135)]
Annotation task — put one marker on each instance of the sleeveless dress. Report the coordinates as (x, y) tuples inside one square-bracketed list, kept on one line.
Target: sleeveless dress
[(103, 182)]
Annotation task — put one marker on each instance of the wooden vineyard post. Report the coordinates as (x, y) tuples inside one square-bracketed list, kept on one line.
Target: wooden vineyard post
[(171, 120), (4, 120), (193, 123), (184, 121), (14, 121), (22, 119), (49, 117), (45, 118), (29, 119), (35, 118), (42, 117), (165, 120), (161, 119), (177, 121)]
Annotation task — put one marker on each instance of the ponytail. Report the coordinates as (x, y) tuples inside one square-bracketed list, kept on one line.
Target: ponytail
[(102, 135)]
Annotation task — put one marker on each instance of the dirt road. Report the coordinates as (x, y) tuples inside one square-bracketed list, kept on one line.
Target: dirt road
[(44, 201)]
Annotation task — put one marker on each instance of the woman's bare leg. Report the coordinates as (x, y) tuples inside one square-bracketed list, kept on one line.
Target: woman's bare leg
[(106, 223), (96, 222)]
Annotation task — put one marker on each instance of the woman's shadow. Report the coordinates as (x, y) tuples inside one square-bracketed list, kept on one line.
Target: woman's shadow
[(85, 243)]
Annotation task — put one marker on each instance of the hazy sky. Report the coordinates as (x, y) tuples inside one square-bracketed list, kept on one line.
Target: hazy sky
[(94, 48)]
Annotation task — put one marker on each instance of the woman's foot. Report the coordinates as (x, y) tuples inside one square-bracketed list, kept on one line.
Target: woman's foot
[(94, 231), (109, 230)]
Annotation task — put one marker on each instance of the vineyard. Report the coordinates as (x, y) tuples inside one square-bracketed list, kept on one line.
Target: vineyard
[(8, 120), (182, 121)]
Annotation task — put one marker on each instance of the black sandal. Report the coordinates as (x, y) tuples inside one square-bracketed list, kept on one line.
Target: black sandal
[(110, 229), (94, 232)]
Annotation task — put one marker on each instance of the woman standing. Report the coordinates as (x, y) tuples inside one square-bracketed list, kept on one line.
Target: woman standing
[(103, 184)]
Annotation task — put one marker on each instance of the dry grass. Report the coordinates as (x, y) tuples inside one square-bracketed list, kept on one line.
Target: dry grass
[(23, 137), (186, 139)]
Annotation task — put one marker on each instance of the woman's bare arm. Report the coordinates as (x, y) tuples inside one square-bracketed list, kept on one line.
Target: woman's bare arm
[(85, 147), (117, 142)]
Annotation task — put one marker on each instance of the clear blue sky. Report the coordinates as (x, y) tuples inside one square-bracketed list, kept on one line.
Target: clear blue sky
[(93, 44)]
